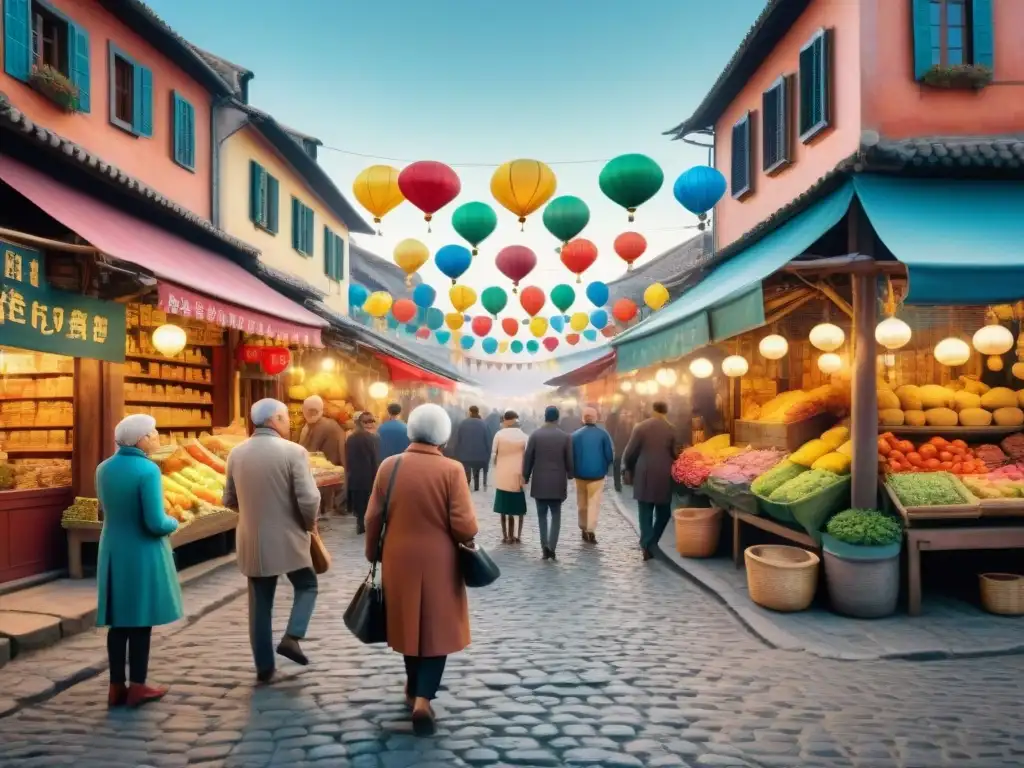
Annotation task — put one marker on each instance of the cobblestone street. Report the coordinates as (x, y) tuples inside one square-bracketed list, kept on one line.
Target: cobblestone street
[(598, 659)]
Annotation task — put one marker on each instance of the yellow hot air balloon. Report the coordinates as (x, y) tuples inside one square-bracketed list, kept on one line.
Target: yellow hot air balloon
[(376, 189), (655, 296), (502, 347), (454, 321), (410, 255), (523, 186), (538, 326), (579, 321), (462, 296), (378, 304)]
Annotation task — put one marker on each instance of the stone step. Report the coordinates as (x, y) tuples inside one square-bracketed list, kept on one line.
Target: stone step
[(29, 631)]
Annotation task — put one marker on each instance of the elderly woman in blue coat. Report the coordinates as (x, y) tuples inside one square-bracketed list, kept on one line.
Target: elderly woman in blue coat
[(138, 583)]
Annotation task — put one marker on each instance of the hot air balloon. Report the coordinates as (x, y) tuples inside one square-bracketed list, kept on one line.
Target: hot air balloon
[(538, 326), (655, 296), (630, 246), (357, 296), (516, 347), (424, 296), (523, 186), (410, 255), (453, 261), (624, 310), (550, 343), (454, 320), (579, 321), (489, 345), (502, 347), (377, 304), (423, 333), (532, 346), (532, 300), (494, 299), (430, 186), (608, 331), (481, 325), (515, 262), (462, 297), (597, 292), (698, 190), (563, 296), (443, 337), (433, 318), (565, 217), (599, 318), (572, 339), (557, 322), (474, 222), (403, 310), (376, 189), (510, 325), (629, 180), (467, 342), (578, 255), (590, 334)]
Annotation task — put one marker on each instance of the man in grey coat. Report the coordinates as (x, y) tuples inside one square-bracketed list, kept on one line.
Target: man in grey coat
[(648, 460), (473, 447), (548, 460), (270, 484)]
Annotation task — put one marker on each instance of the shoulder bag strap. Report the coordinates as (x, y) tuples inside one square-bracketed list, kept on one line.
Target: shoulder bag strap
[(384, 512)]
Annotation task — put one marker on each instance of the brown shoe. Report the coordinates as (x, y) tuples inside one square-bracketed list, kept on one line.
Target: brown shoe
[(139, 694), (265, 675), (424, 722), (117, 695), (289, 648), (648, 555)]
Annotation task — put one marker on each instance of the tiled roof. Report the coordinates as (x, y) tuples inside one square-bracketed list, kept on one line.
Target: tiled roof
[(668, 268), (280, 279), (236, 77), (13, 119), (947, 154), (377, 274)]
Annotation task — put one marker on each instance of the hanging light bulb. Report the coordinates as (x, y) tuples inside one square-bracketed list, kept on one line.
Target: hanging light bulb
[(735, 365), (169, 339), (993, 340), (626, 386), (327, 364), (994, 363), (702, 368), (952, 352), (378, 390), (666, 377), (773, 347), (829, 363), (892, 333), (827, 337)]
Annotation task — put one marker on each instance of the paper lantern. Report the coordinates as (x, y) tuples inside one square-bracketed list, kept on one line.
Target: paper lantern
[(453, 261), (829, 363), (773, 347), (410, 255), (275, 360), (630, 246), (481, 325), (993, 340), (572, 339), (489, 345), (734, 366), (557, 322), (666, 377), (892, 333), (702, 368), (510, 325), (378, 390), (429, 185), (376, 189), (699, 189), (357, 296), (952, 352), (626, 386), (523, 186), (328, 364), (578, 255), (515, 262), (565, 217), (474, 222), (827, 337), (454, 320), (532, 300), (169, 339)]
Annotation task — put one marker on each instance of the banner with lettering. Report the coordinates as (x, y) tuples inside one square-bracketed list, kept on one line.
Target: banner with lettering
[(37, 317)]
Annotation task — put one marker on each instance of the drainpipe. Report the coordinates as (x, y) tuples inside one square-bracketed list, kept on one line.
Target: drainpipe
[(215, 106)]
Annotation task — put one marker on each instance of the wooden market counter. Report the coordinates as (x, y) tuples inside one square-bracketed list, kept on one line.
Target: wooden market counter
[(765, 524), (30, 533)]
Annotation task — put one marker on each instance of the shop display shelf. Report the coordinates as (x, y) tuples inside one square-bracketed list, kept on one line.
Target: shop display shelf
[(50, 449), (166, 360), (164, 379), (952, 433), (969, 510), (31, 374), (184, 426), (33, 399), (165, 401), (37, 426)]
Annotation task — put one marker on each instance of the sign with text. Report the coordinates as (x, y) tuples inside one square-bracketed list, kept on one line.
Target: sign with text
[(35, 316)]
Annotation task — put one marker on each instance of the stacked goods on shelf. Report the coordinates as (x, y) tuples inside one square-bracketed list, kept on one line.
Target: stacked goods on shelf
[(331, 386), (135, 391), (966, 402), (169, 417), (84, 510), (36, 413), (323, 471), (17, 388), (18, 362), (799, 405), (193, 481), (29, 440), (143, 348), (6, 474), (32, 474), (165, 372), (935, 455)]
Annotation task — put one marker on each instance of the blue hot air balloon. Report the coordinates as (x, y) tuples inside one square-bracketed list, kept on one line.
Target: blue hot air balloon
[(489, 345), (453, 261), (410, 329), (599, 318), (443, 337), (558, 323), (392, 323), (590, 334), (433, 318), (597, 292), (423, 296), (698, 189), (357, 296), (467, 342)]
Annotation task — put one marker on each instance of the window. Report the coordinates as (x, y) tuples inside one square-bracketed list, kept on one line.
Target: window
[(49, 39), (950, 44), (183, 127), (741, 182), (952, 33), (775, 143), (131, 94), (263, 198), (815, 85), (38, 37), (334, 255), (302, 228), (124, 90)]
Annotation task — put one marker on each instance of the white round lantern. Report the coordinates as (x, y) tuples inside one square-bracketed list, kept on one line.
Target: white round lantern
[(702, 368), (734, 366), (892, 333), (773, 347), (378, 390), (993, 340), (626, 386), (827, 337), (169, 340), (952, 352), (327, 364), (829, 363), (666, 377), (650, 387)]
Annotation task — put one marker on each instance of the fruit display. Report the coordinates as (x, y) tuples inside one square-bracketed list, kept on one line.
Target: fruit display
[(742, 468), (927, 489), (965, 402), (1006, 482), (804, 485), (324, 472), (692, 467), (84, 510), (781, 473), (797, 405), (935, 455)]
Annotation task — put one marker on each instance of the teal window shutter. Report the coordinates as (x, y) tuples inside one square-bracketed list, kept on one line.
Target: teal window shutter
[(328, 252), (17, 39), (339, 261), (296, 223), (815, 85), (740, 182), (184, 129), (142, 101), (921, 20), (271, 208), (78, 63), (255, 192), (982, 35), (308, 239)]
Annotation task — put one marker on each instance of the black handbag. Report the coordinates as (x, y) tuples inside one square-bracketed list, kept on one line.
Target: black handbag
[(366, 617), (477, 567)]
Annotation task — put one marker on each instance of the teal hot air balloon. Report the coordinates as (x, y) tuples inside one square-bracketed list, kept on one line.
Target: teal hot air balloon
[(467, 342), (565, 217), (357, 295), (516, 347), (443, 337), (474, 222), (590, 334), (490, 345), (631, 180), (434, 318), (532, 346), (494, 299), (563, 296)]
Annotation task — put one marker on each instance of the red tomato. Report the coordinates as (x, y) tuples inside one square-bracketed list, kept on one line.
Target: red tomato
[(939, 442), (928, 451), (905, 446), (932, 464), (883, 447), (959, 443), (957, 468), (897, 455), (915, 459), (946, 456), (946, 466)]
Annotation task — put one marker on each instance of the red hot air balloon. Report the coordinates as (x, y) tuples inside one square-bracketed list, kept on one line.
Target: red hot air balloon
[(630, 246), (515, 262), (509, 324), (481, 325), (532, 300), (578, 255), (403, 310), (624, 310), (572, 339), (609, 330), (550, 343), (423, 333), (429, 185)]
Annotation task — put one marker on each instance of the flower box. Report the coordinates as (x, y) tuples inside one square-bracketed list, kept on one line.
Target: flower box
[(55, 86), (961, 77)]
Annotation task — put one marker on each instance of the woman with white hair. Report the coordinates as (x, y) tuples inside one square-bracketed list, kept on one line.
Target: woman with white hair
[(426, 503), (135, 574)]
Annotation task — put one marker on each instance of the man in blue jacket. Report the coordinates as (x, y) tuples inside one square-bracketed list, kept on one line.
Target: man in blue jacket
[(591, 455), (394, 435)]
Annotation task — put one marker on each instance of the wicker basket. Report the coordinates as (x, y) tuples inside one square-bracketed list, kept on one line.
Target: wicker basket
[(781, 578), (697, 531), (1002, 593)]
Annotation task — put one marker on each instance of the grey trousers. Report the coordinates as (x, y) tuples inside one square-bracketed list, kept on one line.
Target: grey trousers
[(549, 536), (261, 612)]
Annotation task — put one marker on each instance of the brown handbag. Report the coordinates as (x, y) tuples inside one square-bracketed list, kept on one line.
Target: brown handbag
[(318, 553)]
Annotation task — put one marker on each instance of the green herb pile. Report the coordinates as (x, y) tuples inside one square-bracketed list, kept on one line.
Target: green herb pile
[(781, 473), (926, 489), (865, 528), (803, 485)]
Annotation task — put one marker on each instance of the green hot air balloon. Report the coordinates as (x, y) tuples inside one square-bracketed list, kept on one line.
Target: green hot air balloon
[(516, 346), (562, 296), (474, 222), (494, 299), (565, 217), (631, 180)]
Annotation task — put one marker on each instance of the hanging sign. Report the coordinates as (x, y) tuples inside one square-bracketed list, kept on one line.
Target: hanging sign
[(250, 353), (35, 316), (275, 360)]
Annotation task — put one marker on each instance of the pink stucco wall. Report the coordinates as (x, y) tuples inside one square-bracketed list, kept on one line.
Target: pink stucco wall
[(149, 159)]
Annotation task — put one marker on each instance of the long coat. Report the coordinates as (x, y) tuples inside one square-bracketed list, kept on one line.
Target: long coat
[(327, 437), (648, 457), (548, 461), (473, 446), (362, 457), (137, 580), (430, 509), (508, 450), (270, 484)]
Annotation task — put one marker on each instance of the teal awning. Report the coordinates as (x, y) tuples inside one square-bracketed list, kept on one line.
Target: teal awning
[(961, 241), (729, 301)]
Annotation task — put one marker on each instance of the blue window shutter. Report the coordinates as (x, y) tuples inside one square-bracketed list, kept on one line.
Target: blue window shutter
[(272, 194), (78, 61), (176, 128), (184, 132), (255, 189), (309, 231), (921, 21), (190, 112), (17, 39), (340, 260), (142, 101), (328, 252), (296, 223), (983, 41)]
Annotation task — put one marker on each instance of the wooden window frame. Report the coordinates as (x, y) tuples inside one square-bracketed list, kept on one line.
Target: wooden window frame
[(64, 46), (812, 131), (746, 121), (967, 43), (115, 54), (784, 83)]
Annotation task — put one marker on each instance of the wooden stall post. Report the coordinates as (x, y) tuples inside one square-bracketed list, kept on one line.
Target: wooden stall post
[(864, 422)]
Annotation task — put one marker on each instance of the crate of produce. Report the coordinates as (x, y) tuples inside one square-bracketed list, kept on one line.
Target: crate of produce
[(812, 511), (787, 437), (923, 495)]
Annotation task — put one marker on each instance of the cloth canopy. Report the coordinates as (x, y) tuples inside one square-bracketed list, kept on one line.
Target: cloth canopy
[(402, 372)]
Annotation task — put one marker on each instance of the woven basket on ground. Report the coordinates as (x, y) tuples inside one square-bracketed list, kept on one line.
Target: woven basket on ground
[(697, 531), (1002, 593), (781, 578)]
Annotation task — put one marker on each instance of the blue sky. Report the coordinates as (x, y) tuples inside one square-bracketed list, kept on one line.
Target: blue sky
[(482, 82)]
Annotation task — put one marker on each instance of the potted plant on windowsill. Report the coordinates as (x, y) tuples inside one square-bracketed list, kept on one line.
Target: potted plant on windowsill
[(55, 86), (862, 562), (961, 76)]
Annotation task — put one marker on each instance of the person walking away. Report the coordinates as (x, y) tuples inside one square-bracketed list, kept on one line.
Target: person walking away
[(473, 448), (548, 460), (394, 435), (621, 433), (648, 460), (362, 457), (509, 499), (136, 579), (430, 512), (322, 434), (494, 423), (591, 456), (271, 486), (570, 422)]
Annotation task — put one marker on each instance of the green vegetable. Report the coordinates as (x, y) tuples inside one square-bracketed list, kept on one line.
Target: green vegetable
[(803, 485), (865, 528), (781, 473), (926, 489)]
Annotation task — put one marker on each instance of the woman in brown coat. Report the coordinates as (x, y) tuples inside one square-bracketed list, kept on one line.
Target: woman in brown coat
[(430, 511)]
